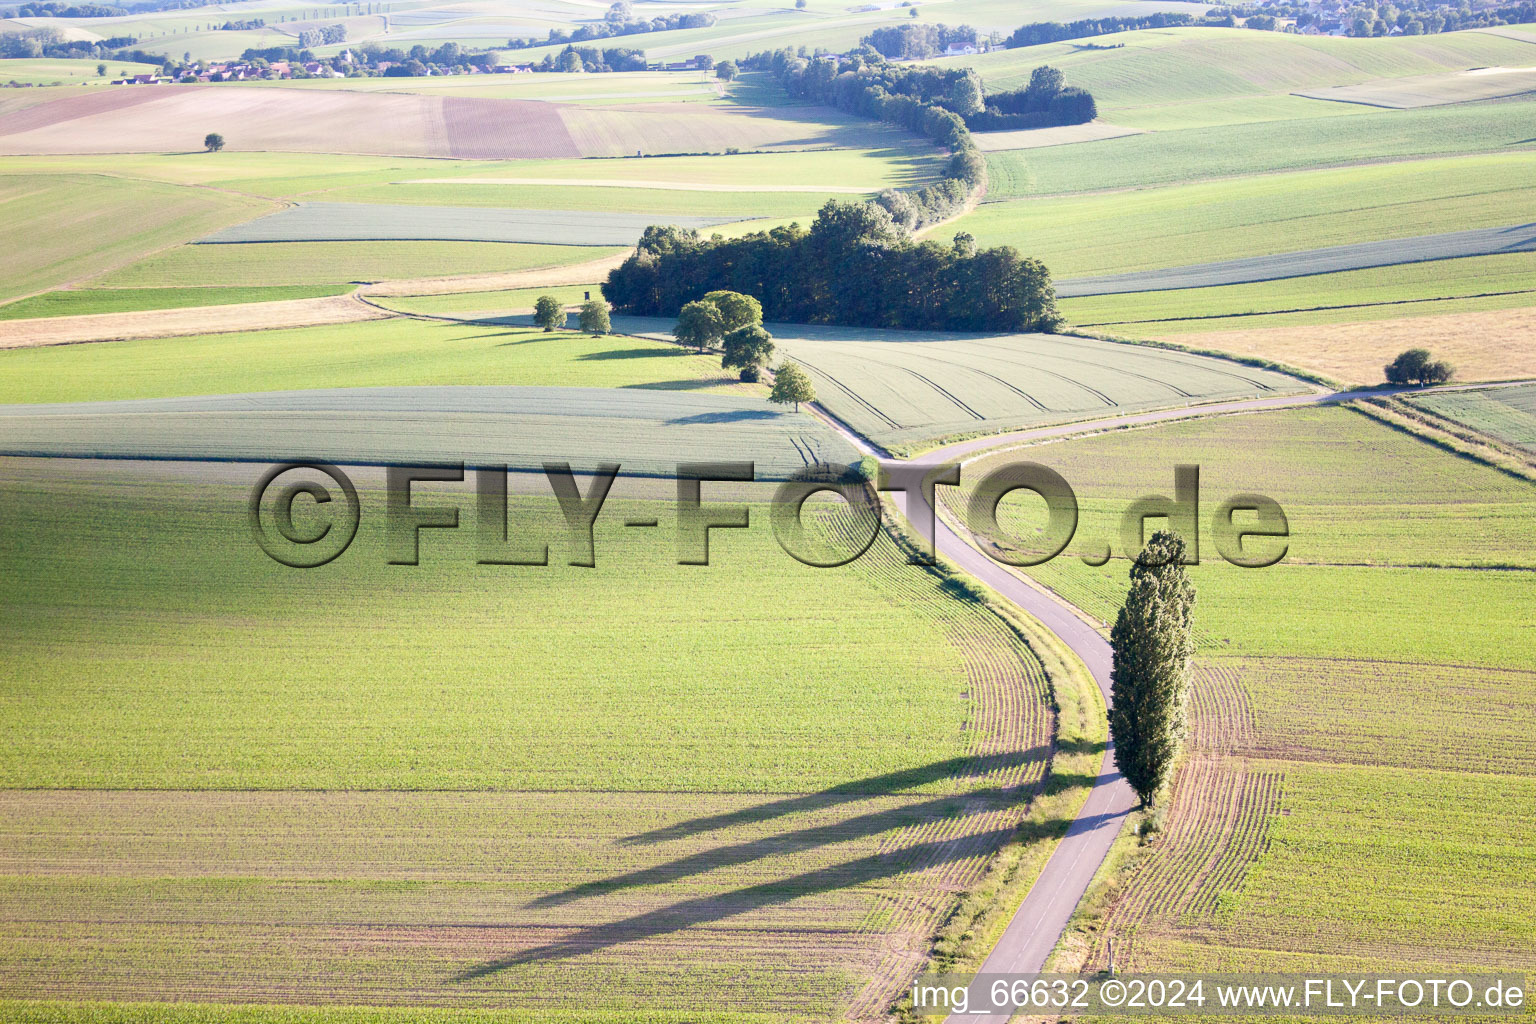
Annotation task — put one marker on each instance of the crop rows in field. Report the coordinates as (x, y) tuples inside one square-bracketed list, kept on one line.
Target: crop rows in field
[(1463, 718), (816, 893), (900, 387), (1357, 770), (1219, 814), (357, 222), (1507, 414)]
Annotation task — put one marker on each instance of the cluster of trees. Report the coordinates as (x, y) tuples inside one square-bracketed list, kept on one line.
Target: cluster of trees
[(917, 42), (854, 266), (242, 26), (593, 60), (47, 41), (929, 101), (731, 321), (549, 313), (1037, 32), (1047, 100), (1418, 366), (51, 9), (324, 35), (619, 21)]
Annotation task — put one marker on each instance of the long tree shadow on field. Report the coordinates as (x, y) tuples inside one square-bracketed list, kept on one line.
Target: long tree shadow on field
[(879, 785), (709, 909), (949, 805), (713, 908)]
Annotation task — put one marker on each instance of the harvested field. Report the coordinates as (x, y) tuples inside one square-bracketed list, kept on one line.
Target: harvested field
[(84, 301), (294, 120), (1358, 256), (575, 273), (647, 432), (1490, 345), (164, 323), (1433, 90), (1506, 414), (404, 124), (355, 222), (1039, 138), (655, 128), (902, 388)]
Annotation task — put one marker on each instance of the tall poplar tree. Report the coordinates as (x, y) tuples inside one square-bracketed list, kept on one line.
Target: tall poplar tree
[(1152, 647)]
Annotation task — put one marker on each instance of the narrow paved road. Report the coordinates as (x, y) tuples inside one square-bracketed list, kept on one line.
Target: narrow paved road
[(1042, 917)]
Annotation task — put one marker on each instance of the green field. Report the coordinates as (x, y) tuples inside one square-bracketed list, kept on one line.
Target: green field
[(1414, 289), (1406, 585), (58, 229), (373, 353), (80, 301), (1507, 414), (51, 71), (351, 761), (1191, 154), (1190, 77), (325, 263), (1175, 225)]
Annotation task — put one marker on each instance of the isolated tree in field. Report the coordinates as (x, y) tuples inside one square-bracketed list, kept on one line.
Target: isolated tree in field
[(748, 349), (548, 313), (101, 71), (790, 384), (213, 142), (1417, 366), (736, 309), (699, 324), (594, 317), (726, 70), (1152, 646), (799, 5)]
